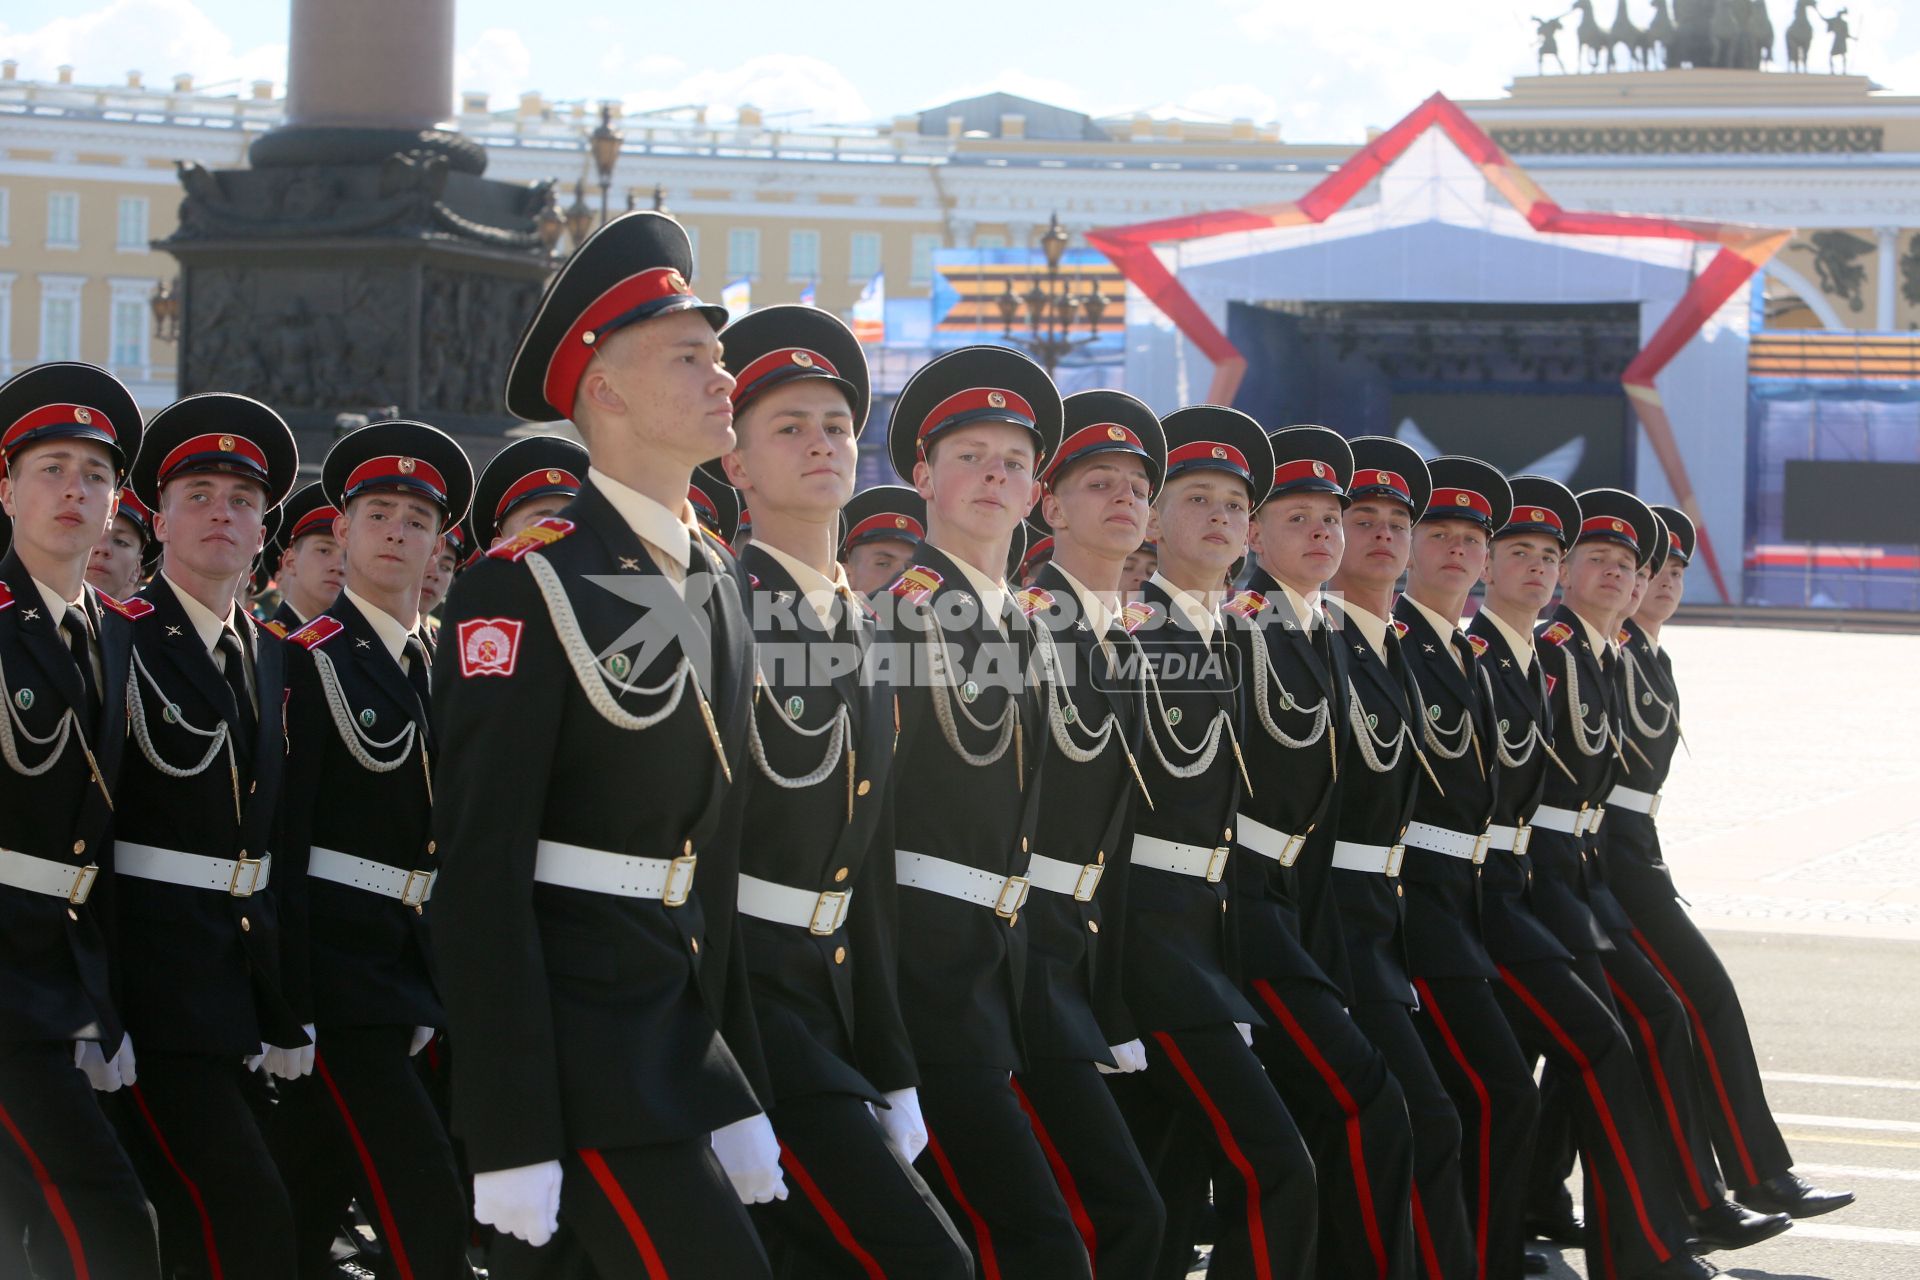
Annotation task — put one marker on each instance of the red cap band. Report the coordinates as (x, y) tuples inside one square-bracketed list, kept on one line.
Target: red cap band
[(1609, 527), (1043, 547), (1304, 469), (702, 503), (1538, 515), (574, 351), (55, 415), (1460, 502), (1375, 479), (1673, 540), (979, 402), (887, 524), (800, 359), (533, 481), (237, 449), (1208, 451), (318, 520), (396, 472)]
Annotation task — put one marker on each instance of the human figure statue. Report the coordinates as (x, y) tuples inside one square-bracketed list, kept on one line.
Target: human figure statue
[(1548, 32), (1837, 54), (1725, 29)]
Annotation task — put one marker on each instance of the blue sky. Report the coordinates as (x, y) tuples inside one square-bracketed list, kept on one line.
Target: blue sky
[(1322, 70)]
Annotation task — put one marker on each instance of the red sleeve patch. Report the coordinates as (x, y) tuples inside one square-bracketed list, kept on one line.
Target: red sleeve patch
[(489, 646), (134, 608), (6, 596), (541, 533), (1246, 604), (317, 632), (1136, 615), (1033, 599), (916, 584), (1557, 634)]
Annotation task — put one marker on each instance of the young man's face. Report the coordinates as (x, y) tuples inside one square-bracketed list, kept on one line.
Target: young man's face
[(1641, 577), (438, 577), (1597, 579), (312, 571), (1448, 556), (522, 514), (1300, 538), (1101, 504), (114, 565), (211, 523), (1522, 572), (388, 538), (1201, 518), (665, 377), (796, 450), (872, 566), (979, 480), (61, 496), (1379, 538), (1664, 593), (1141, 565)]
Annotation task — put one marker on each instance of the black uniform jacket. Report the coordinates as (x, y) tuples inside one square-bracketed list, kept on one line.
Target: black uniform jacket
[(588, 1019), (359, 756), (1182, 964), (1444, 937), (1374, 808), (1649, 704), (962, 965), (1293, 684), (827, 1002), (55, 979), (1074, 1007), (1523, 721), (201, 967)]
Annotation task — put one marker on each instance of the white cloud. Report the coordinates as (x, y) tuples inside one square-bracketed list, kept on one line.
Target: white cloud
[(497, 63), (160, 38), (796, 88)]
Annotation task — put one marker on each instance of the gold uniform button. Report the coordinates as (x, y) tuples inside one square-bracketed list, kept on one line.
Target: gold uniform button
[(687, 847), (1023, 844), (1229, 835), (866, 785), (433, 846), (695, 944), (1400, 889), (73, 915), (1093, 926), (79, 846), (246, 925), (253, 787), (839, 955), (840, 875)]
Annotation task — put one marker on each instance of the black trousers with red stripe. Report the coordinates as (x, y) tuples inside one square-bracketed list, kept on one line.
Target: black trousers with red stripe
[(1443, 1239), (1096, 1164), (1634, 1216), (1473, 1048), (853, 1209), (1748, 1142), (1353, 1116), (986, 1166), (1205, 1093), (193, 1126), (65, 1179), (364, 1124), (661, 1212)]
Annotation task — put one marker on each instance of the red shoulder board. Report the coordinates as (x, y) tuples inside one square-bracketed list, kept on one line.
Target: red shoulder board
[(916, 584), (1557, 634), (541, 533), (6, 596), (134, 608), (1246, 604), (276, 626), (1136, 615), (1622, 637), (1400, 628), (753, 580), (317, 632), (1552, 683), (1479, 644), (1033, 599)]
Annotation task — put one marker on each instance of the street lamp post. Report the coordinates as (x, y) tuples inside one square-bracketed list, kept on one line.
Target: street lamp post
[(605, 142), (579, 216), (1051, 305)]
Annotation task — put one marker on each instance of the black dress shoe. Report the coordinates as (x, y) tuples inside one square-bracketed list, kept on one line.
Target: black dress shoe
[(1681, 1266), (1536, 1264), (1555, 1222), (1730, 1226), (1793, 1195)]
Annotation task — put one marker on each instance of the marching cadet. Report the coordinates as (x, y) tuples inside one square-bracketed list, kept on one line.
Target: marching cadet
[(126, 553), (1468, 1038), (360, 867), (1294, 682), (599, 662), (306, 559), (1552, 1011), (971, 430), (1752, 1154), (195, 819), (1380, 777), (1097, 494), (1204, 1090), (526, 482), (883, 525), (448, 552), (814, 826), (66, 433)]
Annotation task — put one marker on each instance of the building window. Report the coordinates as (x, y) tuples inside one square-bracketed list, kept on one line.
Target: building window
[(127, 340), (923, 250), (803, 255), (60, 318), (132, 234), (63, 220), (863, 262), (743, 253)]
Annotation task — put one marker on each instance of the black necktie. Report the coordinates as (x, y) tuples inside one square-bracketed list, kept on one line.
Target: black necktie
[(79, 639), (236, 672), (413, 660)]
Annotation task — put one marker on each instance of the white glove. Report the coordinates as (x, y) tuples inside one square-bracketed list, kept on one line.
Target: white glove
[(291, 1064), (1246, 1032), (422, 1037), (750, 1154), (104, 1073), (253, 1061), (905, 1128), (523, 1202), (1127, 1058)]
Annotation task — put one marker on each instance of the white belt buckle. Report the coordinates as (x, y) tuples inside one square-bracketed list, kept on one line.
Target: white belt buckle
[(1089, 881), (408, 895), (83, 878), (674, 893), (251, 868), (1522, 837), (1395, 856), (1016, 886), (1290, 852), (1653, 808), (1217, 863), (1480, 847), (833, 902)]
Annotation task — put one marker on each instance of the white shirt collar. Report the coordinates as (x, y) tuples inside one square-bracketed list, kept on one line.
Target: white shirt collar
[(1201, 614), (1099, 617), (393, 636), (1598, 640), (56, 607), (816, 588), (993, 594), (1520, 642), (1441, 623), (206, 623), (1306, 610), (671, 532), (1371, 625)]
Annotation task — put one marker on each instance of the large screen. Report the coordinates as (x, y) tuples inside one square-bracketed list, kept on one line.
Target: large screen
[(1852, 502), (1579, 440)]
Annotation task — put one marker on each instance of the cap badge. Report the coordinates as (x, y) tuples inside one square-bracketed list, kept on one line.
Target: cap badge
[(587, 337), (226, 444), (82, 417), (1219, 452), (802, 359), (899, 522), (677, 282), (553, 477), (1382, 477), (1537, 516), (1320, 470), (996, 399), (1618, 527), (406, 466), (1115, 433), (1462, 500)]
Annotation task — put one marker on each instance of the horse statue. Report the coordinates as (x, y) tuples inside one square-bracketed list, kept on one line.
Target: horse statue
[(1623, 32), (1799, 36), (1760, 34), (1594, 41), (1660, 33)]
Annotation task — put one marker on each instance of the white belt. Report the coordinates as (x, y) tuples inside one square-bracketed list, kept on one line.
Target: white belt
[(1208, 864), (1078, 879), (572, 867), (1510, 839), (240, 877), (412, 888), (44, 875), (1573, 822), (1647, 802), (820, 914), (1004, 894), (1269, 842), (1455, 844), (1377, 858)]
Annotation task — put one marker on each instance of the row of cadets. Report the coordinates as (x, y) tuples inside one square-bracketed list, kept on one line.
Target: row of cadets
[(813, 824), (1294, 680), (128, 553), (880, 528), (359, 865), (1205, 1108), (592, 694), (305, 558)]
